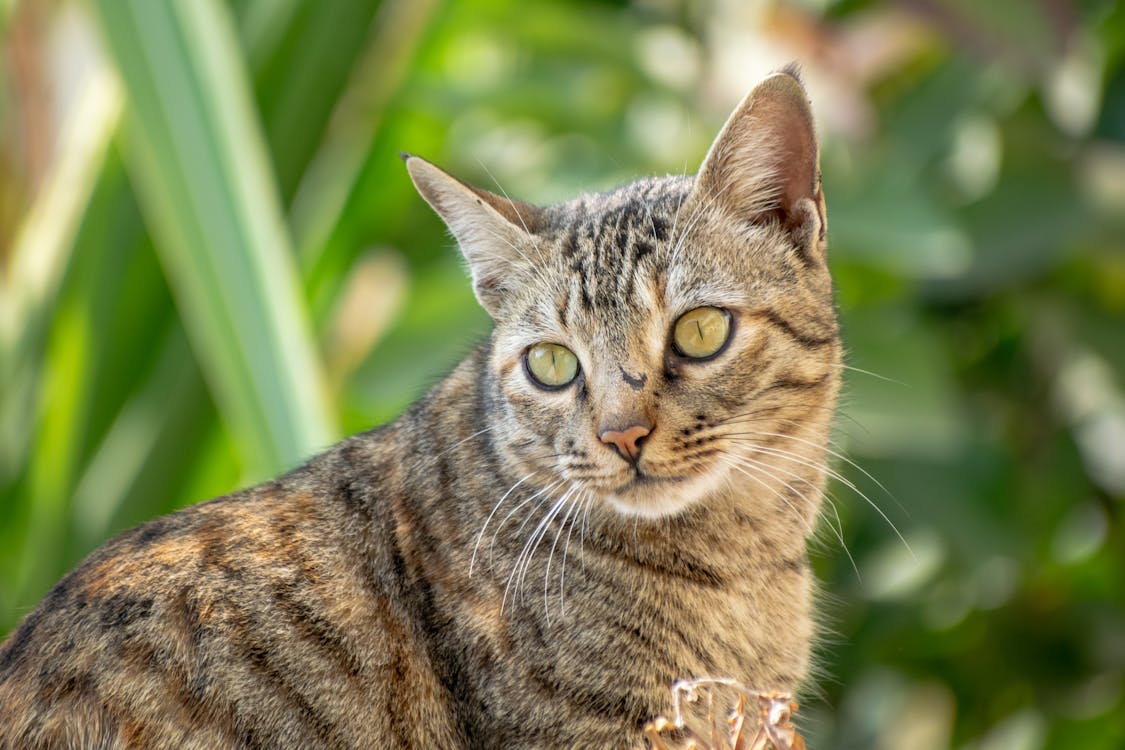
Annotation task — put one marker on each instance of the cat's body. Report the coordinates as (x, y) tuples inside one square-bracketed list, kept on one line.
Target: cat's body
[(507, 564)]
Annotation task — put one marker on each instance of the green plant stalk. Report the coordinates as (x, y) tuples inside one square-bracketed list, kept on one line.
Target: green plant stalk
[(196, 155)]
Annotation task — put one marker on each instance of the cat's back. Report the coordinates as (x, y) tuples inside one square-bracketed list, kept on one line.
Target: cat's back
[(246, 621)]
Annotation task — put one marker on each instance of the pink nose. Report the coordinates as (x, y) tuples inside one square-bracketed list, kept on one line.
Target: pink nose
[(627, 441)]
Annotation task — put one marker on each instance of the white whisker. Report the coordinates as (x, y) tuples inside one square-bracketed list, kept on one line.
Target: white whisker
[(453, 447), (740, 463), (838, 455), (584, 508), (504, 193), (480, 536), (537, 268), (551, 555), (585, 523), (872, 374), (796, 458), (735, 419), (697, 216), (761, 466), (539, 493), (679, 205), (519, 569), (839, 529)]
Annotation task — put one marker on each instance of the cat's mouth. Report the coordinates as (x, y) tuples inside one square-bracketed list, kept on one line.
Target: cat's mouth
[(641, 479), (658, 496), (648, 495)]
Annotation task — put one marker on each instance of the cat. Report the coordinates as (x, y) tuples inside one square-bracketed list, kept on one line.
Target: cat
[(613, 492)]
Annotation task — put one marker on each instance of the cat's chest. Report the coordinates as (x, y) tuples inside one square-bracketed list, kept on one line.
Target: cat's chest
[(638, 632), (746, 628), (605, 656)]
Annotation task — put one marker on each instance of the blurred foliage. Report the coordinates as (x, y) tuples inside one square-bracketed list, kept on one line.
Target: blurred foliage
[(974, 162)]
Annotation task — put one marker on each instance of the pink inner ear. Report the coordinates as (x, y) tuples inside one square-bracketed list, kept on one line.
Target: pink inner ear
[(765, 159), (787, 123), (800, 166)]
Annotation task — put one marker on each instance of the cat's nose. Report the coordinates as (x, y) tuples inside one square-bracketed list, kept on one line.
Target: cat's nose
[(627, 441)]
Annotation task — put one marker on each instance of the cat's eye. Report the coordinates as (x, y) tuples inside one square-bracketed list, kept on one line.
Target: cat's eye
[(701, 333), (551, 365)]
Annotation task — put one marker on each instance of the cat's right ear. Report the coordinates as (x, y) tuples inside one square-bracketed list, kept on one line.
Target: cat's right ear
[(764, 165), (494, 232)]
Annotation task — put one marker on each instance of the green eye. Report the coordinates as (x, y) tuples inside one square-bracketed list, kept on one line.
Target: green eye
[(702, 332), (551, 365)]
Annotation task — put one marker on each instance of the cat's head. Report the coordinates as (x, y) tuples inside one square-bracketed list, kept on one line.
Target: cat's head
[(670, 339)]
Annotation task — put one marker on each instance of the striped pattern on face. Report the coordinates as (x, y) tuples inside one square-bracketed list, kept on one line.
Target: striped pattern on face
[(607, 277)]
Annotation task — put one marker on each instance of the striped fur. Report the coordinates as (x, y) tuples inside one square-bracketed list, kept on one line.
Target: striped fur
[(484, 572)]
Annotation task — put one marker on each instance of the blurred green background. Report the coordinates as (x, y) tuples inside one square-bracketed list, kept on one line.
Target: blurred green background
[(212, 265)]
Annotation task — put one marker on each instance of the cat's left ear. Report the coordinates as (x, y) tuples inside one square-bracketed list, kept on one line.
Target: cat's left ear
[(765, 163), (494, 232)]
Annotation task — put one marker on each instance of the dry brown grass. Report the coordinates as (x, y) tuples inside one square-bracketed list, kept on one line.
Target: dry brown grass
[(723, 714)]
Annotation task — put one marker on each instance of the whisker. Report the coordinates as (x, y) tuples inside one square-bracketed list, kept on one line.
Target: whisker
[(519, 569), (679, 205), (651, 223), (743, 470), (538, 268), (761, 466), (539, 493), (478, 433), (480, 536), (697, 215), (796, 458), (837, 412), (737, 462), (843, 366), (584, 508), (585, 522), (551, 556), (840, 456), (504, 193), (768, 413), (840, 534), (782, 420), (531, 513), (767, 198), (514, 573)]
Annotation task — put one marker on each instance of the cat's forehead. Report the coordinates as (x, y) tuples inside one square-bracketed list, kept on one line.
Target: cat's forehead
[(617, 259), (610, 256), (647, 207), (616, 269)]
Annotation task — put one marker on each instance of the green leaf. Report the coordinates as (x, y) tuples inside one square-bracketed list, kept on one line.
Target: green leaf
[(41, 252), (6, 8), (298, 80), (197, 157), (899, 394)]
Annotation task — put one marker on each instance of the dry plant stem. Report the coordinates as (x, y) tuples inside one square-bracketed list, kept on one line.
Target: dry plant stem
[(770, 727)]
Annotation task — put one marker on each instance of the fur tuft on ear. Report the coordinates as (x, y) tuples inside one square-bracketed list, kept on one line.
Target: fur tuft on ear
[(494, 232), (765, 163)]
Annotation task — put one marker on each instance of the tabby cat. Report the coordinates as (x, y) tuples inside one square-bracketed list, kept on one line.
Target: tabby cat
[(613, 492)]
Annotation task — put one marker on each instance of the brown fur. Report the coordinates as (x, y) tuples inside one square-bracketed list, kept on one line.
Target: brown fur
[(484, 571)]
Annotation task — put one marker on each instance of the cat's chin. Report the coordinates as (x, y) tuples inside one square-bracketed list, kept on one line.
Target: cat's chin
[(660, 497)]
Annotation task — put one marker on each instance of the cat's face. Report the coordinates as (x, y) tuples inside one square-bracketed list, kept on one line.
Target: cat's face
[(668, 340)]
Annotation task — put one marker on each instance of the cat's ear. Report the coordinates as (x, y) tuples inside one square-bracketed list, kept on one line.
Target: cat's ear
[(765, 163), (494, 233)]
